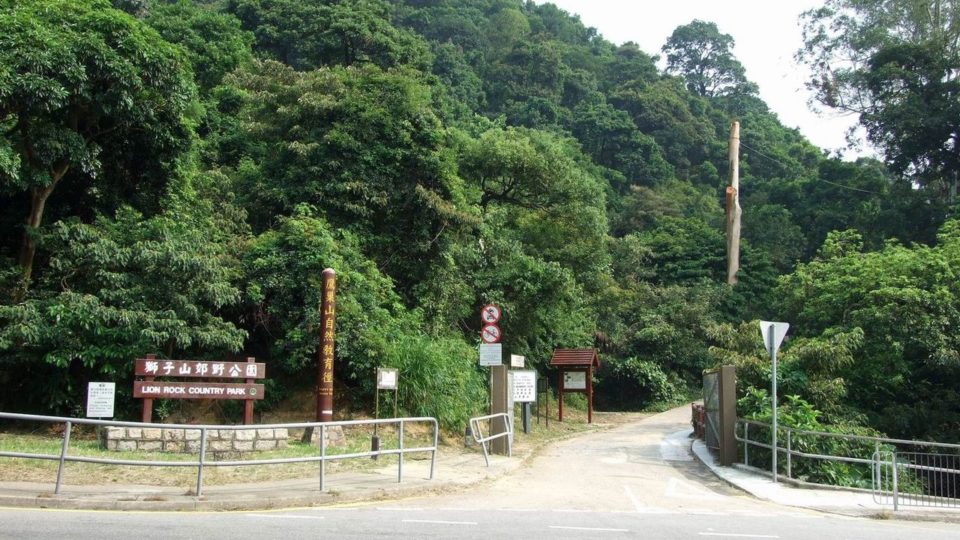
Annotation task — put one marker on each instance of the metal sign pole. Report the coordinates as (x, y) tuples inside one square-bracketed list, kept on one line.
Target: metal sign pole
[(773, 357)]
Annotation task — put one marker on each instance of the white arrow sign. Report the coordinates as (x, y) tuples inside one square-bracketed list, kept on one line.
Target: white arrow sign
[(779, 330)]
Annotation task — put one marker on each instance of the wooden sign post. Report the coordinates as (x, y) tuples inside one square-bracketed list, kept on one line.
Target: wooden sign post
[(149, 388), (328, 318)]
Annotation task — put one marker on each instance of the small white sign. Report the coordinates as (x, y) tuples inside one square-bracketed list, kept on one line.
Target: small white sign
[(574, 380), (778, 329), (386, 379), (491, 354), (100, 398), (517, 361), (524, 386)]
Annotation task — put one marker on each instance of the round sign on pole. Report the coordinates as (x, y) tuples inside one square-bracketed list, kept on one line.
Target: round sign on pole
[(490, 333), (490, 313)]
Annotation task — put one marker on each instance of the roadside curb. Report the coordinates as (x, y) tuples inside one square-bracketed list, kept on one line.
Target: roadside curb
[(836, 501)]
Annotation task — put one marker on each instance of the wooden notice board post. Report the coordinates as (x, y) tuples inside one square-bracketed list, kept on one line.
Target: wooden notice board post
[(576, 374)]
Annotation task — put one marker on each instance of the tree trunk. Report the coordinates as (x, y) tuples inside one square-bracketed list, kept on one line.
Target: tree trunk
[(28, 246)]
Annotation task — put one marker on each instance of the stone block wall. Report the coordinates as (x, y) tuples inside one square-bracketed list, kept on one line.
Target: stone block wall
[(124, 439)]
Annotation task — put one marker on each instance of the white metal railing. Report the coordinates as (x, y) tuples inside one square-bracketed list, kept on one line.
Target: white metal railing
[(917, 479), (883, 458), (475, 424), (201, 460)]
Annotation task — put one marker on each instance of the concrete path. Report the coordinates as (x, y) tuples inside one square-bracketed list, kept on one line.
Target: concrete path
[(649, 466)]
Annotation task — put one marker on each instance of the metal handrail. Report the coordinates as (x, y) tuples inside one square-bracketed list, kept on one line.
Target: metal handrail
[(852, 437), (791, 452), (201, 461), (482, 441)]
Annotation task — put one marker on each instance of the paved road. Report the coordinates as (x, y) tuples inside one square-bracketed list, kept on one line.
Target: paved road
[(637, 481)]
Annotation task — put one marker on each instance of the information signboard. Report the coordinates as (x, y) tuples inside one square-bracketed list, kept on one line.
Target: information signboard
[(100, 398), (524, 386), (386, 379), (491, 354), (574, 380)]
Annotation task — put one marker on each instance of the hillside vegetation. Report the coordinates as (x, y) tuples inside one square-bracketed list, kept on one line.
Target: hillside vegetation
[(174, 176)]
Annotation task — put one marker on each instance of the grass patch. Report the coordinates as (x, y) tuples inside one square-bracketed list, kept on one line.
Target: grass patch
[(179, 473)]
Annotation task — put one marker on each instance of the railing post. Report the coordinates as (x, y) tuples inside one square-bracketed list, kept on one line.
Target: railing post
[(201, 460), (746, 443), (895, 487), (436, 440), (789, 451), (63, 454), (323, 456), (400, 463)]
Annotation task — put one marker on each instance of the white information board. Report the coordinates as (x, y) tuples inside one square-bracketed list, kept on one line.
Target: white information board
[(386, 379), (524, 386), (574, 380), (491, 354), (517, 361), (100, 397)]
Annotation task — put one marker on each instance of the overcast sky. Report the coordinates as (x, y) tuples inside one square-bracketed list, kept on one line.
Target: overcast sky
[(766, 35)]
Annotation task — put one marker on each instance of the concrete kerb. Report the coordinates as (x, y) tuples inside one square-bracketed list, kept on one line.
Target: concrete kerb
[(839, 501)]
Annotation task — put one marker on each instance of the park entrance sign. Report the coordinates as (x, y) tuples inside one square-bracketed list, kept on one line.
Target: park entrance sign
[(149, 388)]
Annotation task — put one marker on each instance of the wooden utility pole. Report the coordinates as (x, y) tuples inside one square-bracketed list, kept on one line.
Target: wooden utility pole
[(733, 206)]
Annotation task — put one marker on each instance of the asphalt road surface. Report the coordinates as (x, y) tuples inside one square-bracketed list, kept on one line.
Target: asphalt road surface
[(637, 481)]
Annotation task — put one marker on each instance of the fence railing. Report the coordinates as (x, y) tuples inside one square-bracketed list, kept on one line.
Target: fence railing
[(898, 473), (201, 461), (917, 479), (476, 427)]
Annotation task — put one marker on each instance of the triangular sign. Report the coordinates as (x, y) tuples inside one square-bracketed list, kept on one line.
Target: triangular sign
[(778, 330)]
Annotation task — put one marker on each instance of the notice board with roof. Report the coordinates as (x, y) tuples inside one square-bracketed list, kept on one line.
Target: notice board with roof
[(576, 374)]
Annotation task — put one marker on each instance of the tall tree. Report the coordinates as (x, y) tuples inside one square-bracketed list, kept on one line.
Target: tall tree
[(893, 62), (703, 56), (90, 95)]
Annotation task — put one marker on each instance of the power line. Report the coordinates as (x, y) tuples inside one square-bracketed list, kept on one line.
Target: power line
[(786, 167)]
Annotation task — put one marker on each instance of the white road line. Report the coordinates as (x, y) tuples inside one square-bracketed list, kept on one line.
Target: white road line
[(678, 489), (595, 529), (283, 516), (637, 505), (735, 535), (439, 522)]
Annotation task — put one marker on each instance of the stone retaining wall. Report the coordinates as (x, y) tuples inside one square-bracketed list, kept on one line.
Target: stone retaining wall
[(123, 439)]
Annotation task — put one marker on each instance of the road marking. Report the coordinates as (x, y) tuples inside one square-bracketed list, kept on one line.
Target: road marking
[(676, 447), (595, 529), (637, 505), (439, 522), (283, 516), (684, 490), (735, 535)]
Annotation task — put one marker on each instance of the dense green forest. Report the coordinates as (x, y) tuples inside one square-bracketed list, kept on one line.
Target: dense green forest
[(174, 176)]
